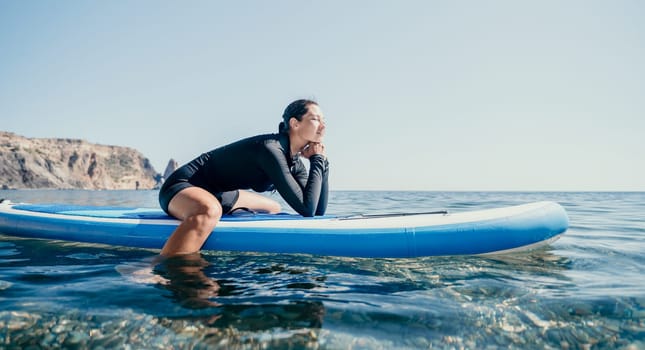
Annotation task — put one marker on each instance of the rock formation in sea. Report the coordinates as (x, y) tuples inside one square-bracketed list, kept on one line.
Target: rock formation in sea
[(172, 166), (71, 164)]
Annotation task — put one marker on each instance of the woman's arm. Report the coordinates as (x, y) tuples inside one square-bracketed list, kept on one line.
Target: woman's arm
[(301, 175), (303, 199), (324, 192)]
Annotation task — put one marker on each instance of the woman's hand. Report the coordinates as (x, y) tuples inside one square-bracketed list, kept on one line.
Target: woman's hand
[(313, 148)]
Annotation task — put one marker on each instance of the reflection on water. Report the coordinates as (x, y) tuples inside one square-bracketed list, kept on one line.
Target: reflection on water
[(184, 277), (189, 286)]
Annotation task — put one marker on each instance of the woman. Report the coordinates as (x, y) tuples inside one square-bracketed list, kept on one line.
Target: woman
[(214, 183)]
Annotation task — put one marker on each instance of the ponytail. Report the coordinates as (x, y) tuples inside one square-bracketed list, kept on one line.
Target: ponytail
[(282, 129), (295, 109)]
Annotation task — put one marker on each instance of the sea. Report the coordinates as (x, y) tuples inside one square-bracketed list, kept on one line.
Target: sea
[(584, 291)]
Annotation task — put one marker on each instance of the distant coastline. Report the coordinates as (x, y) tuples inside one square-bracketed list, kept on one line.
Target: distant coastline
[(58, 163)]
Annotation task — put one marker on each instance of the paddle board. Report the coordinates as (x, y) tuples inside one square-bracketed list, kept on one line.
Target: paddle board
[(489, 231)]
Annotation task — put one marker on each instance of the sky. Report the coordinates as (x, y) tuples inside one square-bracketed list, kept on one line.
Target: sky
[(417, 95)]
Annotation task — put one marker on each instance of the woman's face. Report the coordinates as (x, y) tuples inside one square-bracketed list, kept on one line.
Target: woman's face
[(312, 126)]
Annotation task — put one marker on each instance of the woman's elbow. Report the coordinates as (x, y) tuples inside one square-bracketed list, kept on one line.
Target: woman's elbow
[(307, 212)]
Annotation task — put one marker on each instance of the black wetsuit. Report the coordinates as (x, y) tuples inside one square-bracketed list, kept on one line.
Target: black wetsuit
[(261, 163)]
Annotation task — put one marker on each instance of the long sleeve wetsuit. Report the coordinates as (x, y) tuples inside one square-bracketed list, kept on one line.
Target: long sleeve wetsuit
[(261, 163)]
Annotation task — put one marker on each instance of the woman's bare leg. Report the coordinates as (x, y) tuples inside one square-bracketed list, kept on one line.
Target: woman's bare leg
[(199, 212), (256, 202)]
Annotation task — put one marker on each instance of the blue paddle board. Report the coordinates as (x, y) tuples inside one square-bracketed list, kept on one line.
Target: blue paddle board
[(490, 231)]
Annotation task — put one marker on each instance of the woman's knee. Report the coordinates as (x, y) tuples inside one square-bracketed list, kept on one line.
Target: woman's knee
[(257, 202), (274, 207), (203, 221), (195, 202), (206, 215)]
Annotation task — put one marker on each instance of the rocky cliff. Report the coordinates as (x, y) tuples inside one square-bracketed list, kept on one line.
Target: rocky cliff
[(68, 163)]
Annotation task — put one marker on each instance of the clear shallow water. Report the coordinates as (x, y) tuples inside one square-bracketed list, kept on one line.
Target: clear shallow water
[(585, 291)]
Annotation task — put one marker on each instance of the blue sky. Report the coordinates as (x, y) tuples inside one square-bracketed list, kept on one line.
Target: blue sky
[(418, 95)]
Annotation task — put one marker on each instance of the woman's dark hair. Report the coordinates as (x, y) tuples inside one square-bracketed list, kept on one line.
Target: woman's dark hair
[(296, 109)]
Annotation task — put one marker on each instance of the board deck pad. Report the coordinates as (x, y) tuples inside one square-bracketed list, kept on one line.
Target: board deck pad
[(143, 213)]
